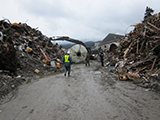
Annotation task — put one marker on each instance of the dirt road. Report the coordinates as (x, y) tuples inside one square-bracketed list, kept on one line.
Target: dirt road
[(91, 93)]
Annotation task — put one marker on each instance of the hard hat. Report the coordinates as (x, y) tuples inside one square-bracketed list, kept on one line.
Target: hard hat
[(68, 52)]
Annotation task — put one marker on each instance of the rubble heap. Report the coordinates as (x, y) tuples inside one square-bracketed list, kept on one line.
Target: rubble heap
[(138, 56), (24, 53)]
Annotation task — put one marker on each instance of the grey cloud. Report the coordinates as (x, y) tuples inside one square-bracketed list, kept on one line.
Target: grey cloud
[(81, 19)]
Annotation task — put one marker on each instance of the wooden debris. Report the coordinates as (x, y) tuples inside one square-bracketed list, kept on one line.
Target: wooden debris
[(133, 76), (145, 79), (144, 43), (21, 53)]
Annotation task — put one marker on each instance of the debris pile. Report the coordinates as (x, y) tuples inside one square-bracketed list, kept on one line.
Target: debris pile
[(24, 52), (138, 56)]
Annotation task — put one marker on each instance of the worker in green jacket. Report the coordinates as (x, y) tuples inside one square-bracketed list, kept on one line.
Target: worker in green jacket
[(67, 61)]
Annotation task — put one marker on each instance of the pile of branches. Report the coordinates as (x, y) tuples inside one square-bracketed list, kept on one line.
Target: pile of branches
[(138, 56)]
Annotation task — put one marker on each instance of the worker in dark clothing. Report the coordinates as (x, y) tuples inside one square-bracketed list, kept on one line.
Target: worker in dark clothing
[(67, 61), (87, 59), (101, 57)]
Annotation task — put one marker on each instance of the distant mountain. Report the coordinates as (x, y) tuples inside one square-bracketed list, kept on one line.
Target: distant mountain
[(98, 41), (89, 44), (67, 46)]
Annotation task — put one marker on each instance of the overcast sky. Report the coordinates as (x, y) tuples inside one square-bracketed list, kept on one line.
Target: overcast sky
[(78, 19)]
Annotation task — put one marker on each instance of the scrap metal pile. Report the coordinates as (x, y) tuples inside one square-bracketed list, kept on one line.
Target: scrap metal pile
[(138, 56), (24, 52)]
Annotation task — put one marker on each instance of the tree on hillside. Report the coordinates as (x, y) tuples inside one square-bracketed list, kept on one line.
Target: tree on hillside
[(148, 12)]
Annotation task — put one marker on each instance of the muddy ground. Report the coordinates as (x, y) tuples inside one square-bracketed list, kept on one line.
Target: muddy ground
[(91, 93)]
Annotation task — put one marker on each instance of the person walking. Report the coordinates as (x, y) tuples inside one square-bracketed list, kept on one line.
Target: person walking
[(101, 57), (67, 61), (87, 60)]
